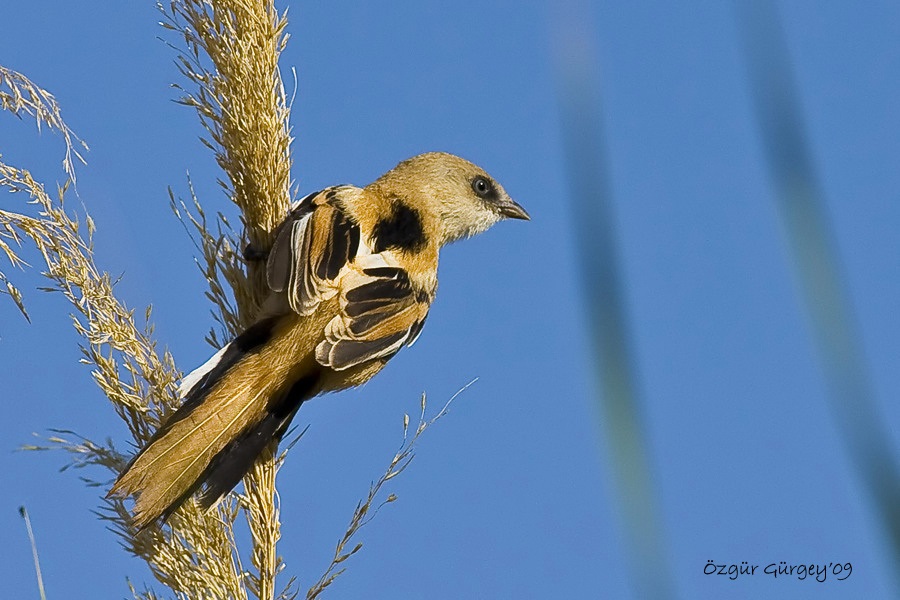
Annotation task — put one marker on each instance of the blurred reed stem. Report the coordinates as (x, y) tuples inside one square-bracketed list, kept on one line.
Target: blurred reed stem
[(810, 245), (596, 247)]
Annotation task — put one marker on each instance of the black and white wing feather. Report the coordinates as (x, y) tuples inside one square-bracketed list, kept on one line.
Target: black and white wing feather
[(318, 254), (312, 246), (380, 312)]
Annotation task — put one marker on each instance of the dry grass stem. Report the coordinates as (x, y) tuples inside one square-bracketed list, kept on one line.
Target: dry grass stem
[(20, 96), (192, 556), (34, 552), (231, 64), (219, 263), (364, 512), (230, 59)]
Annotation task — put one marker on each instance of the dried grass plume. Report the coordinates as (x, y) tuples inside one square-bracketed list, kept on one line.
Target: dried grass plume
[(228, 53)]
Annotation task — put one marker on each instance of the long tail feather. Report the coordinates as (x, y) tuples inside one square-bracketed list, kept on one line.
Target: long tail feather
[(235, 460), (231, 404)]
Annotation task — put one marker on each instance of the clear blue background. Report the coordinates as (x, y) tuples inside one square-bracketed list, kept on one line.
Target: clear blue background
[(511, 495)]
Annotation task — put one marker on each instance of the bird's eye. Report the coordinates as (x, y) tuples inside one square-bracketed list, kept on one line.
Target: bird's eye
[(482, 187)]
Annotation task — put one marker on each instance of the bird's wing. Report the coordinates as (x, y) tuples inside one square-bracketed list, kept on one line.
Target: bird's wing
[(380, 312), (311, 247), (317, 254)]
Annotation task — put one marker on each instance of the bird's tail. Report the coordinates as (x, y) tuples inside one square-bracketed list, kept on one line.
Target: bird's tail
[(234, 406)]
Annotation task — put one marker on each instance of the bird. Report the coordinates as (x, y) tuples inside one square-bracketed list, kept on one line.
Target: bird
[(351, 275)]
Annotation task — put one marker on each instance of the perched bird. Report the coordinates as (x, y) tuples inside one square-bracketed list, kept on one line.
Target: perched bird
[(352, 274)]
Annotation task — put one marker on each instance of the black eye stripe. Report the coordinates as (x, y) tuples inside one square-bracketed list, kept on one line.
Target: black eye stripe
[(484, 188)]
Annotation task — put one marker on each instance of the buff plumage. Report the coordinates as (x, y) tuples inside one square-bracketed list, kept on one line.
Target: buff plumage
[(352, 274)]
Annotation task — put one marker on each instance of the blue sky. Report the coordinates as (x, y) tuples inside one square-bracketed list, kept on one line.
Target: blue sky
[(512, 495)]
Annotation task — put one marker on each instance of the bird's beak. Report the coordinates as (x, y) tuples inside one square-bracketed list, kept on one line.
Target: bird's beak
[(511, 210)]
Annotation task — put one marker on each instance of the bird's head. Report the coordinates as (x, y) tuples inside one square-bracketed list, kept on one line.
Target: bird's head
[(459, 198)]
